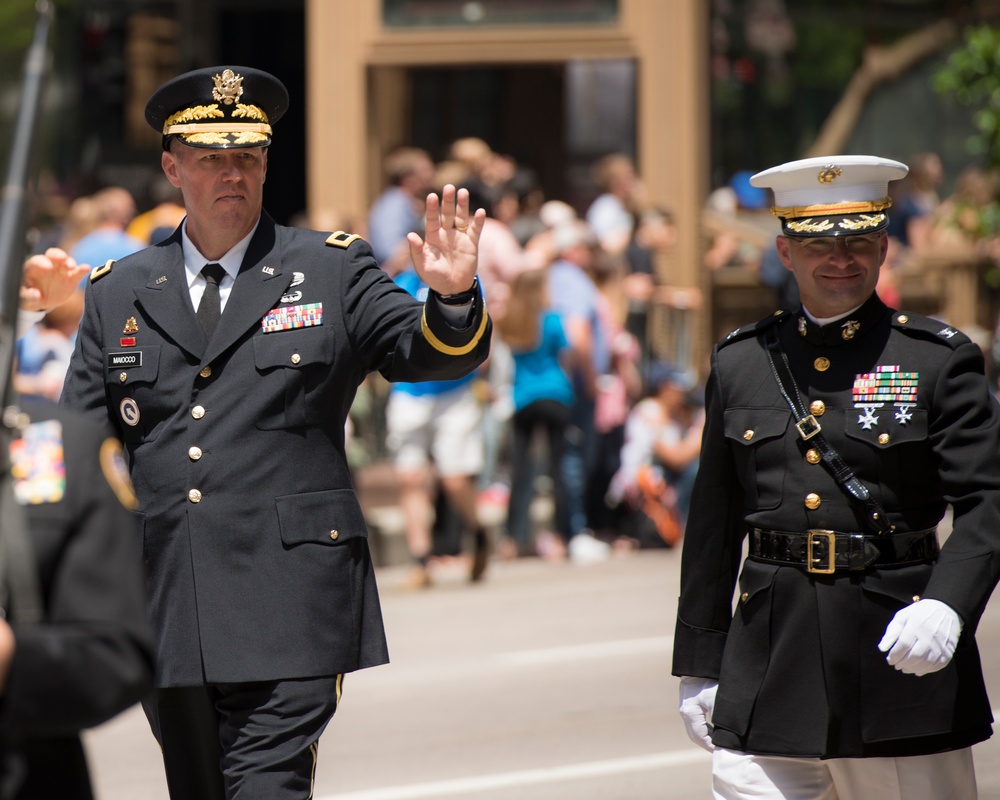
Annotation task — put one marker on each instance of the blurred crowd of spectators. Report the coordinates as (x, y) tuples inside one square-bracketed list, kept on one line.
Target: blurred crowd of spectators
[(574, 434)]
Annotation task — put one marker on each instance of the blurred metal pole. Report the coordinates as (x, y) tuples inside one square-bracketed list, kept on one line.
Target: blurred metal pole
[(13, 197)]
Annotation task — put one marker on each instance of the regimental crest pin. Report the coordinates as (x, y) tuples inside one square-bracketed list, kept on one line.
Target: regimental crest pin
[(131, 326)]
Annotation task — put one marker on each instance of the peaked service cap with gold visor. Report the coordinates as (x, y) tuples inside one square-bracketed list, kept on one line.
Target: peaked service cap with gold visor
[(831, 195), (218, 107)]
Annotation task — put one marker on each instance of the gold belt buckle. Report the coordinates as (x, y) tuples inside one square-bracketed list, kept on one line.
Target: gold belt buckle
[(831, 548)]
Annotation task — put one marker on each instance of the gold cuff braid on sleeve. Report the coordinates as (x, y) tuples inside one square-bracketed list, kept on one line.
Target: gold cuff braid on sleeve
[(437, 344)]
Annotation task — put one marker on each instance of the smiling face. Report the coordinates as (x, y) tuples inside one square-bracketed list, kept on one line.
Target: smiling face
[(834, 274), (223, 192)]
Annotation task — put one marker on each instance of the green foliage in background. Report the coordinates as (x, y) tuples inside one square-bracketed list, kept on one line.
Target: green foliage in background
[(17, 29), (972, 75)]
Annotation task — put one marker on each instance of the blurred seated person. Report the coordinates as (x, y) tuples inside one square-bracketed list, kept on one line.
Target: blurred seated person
[(659, 459)]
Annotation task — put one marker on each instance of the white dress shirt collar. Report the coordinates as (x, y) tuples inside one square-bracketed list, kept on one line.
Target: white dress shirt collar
[(230, 262)]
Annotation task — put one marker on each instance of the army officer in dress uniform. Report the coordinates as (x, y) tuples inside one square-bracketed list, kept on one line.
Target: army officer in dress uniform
[(835, 438), (261, 589)]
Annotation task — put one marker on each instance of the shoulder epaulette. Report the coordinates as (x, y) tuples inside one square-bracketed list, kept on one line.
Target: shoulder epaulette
[(99, 272), (341, 239), (928, 328), (754, 328)]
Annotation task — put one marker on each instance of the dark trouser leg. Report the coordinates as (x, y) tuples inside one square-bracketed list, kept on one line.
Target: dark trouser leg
[(577, 460), (270, 733), (252, 741), (521, 477), (555, 420), (186, 725)]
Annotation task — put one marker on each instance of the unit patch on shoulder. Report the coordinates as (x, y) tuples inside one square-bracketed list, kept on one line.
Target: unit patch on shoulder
[(116, 473), (99, 272), (342, 239)]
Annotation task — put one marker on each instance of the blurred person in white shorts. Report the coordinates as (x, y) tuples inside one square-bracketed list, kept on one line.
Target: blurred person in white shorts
[(434, 431)]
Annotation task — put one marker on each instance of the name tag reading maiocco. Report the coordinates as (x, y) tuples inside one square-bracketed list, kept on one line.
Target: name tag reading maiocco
[(125, 360)]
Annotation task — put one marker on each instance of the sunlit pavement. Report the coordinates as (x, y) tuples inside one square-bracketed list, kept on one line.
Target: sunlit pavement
[(545, 681)]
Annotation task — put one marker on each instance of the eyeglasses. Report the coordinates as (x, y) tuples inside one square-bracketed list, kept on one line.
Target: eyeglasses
[(825, 245)]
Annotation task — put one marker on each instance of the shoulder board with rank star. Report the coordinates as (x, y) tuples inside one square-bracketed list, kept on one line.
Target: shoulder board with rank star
[(99, 272), (923, 327), (754, 328), (341, 239)]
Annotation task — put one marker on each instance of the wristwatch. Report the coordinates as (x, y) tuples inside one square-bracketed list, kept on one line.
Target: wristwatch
[(461, 298)]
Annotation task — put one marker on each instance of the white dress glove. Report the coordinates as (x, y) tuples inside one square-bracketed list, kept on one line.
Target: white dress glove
[(922, 637), (697, 703)]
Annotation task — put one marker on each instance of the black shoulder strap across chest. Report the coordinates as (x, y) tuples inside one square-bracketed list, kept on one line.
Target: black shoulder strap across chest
[(809, 429)]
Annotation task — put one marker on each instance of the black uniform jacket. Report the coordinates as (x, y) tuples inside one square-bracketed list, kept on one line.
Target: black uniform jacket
[(256, 547), (797, 661), (91, 654)]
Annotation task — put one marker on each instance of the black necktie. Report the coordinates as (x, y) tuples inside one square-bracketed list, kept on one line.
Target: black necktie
[(210, 308)]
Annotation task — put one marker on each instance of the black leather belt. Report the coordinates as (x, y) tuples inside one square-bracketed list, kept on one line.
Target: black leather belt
[(824, 552)]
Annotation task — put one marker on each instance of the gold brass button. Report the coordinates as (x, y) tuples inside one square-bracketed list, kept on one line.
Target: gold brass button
[(748, 434), (916, 598), (902, 319), (123, 376), (296, 358), (822, 364), (194, 453), (206, 372), (198, 412), (812, 501), (194, 496), (744, 597), (817, 408), (883, 438), (334, 535), (813, 456)]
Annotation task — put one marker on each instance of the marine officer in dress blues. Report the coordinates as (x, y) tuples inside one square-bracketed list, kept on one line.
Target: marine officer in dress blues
[(230, 386), (835, 439)]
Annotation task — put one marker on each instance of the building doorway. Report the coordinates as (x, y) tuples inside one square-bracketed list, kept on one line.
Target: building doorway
[(552, 119)]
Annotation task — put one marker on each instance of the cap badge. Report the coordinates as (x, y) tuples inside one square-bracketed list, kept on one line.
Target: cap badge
[(828, 174), (228, 87)]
